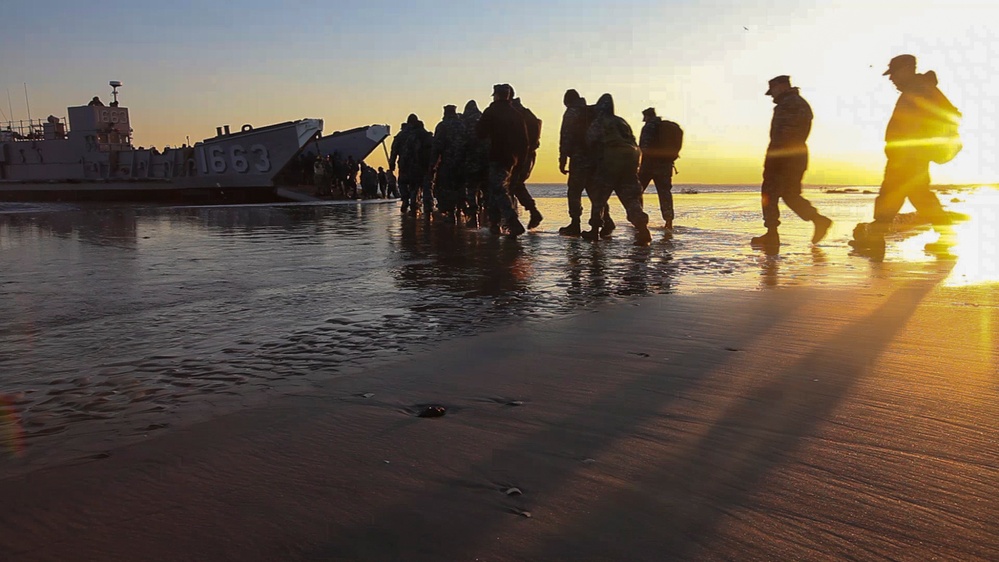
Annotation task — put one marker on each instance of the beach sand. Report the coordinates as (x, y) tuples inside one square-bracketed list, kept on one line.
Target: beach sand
[(795, 423)]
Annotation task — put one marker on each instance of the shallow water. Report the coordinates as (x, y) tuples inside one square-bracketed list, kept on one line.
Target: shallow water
[(122, 321)]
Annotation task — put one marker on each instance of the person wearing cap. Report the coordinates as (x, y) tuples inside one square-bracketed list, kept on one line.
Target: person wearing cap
[(922, 128), (786, 162), (96, 102), (656, 166), (575, 161), (616, 155), (503, 126), (445, 162)]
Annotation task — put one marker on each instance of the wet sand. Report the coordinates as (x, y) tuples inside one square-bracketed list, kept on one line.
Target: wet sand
[(802, 423), (244, 384)]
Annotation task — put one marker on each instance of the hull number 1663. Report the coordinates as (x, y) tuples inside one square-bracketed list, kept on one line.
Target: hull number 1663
[(221, 159)]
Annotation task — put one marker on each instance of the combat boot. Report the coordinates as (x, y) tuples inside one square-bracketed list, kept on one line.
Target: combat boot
[(607, 228), (822, 225), (571, 230), (642, 236), (536, 219), (592, 235), (516, 228), (869, 240), (771, 238)]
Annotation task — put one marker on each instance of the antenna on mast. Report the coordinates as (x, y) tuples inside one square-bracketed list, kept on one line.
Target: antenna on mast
[(115, 84)]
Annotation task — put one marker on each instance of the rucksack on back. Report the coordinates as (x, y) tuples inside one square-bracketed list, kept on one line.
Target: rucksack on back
[(947, 144), (669, 140)]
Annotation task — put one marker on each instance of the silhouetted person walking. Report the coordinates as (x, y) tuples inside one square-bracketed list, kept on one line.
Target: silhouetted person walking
[(399, 142), (660, 142), (786, 162), (922, 129), (575, 160), (518, 184), (446, 156), (475, 166), (616, 159), (382, 183), (506, 131)]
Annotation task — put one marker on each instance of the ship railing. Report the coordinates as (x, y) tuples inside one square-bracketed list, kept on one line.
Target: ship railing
[(32, 129)]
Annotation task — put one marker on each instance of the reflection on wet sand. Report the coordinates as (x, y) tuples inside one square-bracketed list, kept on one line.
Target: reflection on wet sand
[(135, 318), (124, 321)]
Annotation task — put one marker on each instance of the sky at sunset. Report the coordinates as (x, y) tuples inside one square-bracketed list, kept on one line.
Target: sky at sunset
[(189, 66)]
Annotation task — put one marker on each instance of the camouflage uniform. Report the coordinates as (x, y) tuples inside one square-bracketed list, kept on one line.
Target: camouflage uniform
[(394, 156), (656, 168), (787, 159), (504, 127), (572, 150), (446, 158), (321, 176), (414, 164), (475, 161), (612, 143), (413, 152)]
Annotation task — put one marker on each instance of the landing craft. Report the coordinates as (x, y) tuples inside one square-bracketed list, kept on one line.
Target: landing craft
[(93, 159)]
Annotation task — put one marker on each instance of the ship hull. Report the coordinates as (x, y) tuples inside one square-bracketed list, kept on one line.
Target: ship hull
[(228, 168), (137, 192)]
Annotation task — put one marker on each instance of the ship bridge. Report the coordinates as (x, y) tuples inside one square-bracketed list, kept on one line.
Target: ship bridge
[(108, 129)]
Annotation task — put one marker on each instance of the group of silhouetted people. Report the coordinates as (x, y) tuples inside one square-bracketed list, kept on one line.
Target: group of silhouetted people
[(339, 177), (475, 165), (452, 169)]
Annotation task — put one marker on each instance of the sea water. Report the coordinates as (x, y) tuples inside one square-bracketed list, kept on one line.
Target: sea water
[(120, 321)]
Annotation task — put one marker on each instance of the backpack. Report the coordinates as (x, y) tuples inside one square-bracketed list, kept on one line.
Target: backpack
[(669, 140), (948, 142), (941, 123)]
